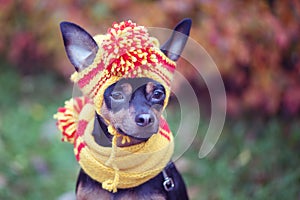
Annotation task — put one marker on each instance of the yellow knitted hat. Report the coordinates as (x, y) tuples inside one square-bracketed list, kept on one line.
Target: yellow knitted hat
[(126, 51)]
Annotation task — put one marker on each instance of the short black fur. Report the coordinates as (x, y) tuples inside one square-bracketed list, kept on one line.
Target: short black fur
[(146, 190)]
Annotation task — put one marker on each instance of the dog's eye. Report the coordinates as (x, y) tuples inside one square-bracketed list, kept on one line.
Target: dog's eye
[(157, 95), (118, 96)]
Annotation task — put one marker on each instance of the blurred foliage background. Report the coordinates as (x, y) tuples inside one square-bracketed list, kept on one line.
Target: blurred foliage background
[(255, 45)]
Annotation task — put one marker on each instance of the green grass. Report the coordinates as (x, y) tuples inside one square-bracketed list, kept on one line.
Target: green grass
[(252, 160), (248, 165), (35, 164)]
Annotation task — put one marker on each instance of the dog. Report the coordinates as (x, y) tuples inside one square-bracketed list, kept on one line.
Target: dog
[(133, 106)]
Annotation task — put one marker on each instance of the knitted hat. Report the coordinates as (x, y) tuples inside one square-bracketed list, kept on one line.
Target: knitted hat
[(126, 51)]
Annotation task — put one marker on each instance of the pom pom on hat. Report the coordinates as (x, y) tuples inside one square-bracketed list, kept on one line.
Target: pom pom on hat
[(67, 117)]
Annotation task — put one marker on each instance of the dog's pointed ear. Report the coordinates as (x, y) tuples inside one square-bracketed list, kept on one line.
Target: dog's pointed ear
[(175, 44), (80, 46)]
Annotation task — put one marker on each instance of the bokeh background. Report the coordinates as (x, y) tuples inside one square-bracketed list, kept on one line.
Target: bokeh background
[(255, 45)]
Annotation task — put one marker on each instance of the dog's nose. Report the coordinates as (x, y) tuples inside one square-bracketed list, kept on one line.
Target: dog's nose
[(144, 119)]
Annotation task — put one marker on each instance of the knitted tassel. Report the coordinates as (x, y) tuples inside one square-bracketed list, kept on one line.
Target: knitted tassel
[(112, 185), (67, 117)]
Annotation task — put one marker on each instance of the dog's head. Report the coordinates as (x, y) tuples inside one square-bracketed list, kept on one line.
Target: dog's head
[(134, 106), (131, 100)]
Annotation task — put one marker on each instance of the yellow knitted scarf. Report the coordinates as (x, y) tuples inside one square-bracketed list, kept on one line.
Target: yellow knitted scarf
[(114, 167)]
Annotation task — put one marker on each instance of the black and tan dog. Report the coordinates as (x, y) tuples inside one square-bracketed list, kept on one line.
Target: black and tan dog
[(133, 106)]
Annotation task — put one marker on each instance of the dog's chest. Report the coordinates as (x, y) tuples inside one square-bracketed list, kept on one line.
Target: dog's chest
[(85, 193)]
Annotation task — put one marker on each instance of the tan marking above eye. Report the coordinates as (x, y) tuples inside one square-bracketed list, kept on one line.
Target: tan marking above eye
[(127, 89), (149, 87)]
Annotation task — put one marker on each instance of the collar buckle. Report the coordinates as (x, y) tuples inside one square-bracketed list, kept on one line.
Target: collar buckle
[(168, 183)]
